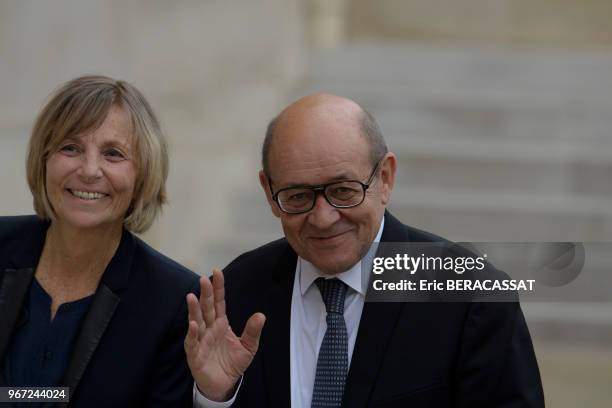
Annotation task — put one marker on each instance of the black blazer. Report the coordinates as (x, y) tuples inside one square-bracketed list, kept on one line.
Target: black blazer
[(129, 351), (406, 354)]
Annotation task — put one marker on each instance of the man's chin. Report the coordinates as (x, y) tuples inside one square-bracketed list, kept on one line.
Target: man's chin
[(333, 260), (334, 268)]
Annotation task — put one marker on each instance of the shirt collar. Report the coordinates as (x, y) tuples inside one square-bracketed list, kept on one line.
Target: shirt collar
[(308, 273)]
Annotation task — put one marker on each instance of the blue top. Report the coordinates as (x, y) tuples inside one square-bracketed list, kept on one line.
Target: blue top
[(40, 349)]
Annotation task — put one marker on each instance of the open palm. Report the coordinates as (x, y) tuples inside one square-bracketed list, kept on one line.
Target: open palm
[(217, 357)]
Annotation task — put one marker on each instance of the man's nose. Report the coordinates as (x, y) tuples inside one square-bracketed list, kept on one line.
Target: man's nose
[(90, 169), (323, 215)]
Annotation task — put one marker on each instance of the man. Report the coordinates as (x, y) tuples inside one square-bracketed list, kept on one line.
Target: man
[(328, 176)]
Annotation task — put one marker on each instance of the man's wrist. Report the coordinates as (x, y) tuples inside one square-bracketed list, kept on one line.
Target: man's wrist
[(216, 397), (203, 401)]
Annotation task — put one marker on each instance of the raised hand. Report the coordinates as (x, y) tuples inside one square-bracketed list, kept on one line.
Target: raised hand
[(217, 357)]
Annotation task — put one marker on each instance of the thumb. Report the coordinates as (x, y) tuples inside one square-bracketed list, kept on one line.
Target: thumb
[(252, 332)]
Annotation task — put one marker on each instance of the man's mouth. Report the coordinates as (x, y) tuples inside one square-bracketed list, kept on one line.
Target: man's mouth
[(329, 236)]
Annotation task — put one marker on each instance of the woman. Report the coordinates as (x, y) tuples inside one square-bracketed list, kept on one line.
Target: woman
[(83, 302)]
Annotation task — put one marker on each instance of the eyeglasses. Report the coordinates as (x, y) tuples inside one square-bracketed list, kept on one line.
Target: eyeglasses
[(339, 194)]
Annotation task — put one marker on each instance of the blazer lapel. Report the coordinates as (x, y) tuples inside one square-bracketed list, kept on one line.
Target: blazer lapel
[(105, 302), (99, 315), (378, 321), (275, 344), (13, 288)]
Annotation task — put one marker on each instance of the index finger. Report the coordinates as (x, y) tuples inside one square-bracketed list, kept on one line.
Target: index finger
[(193, 310)]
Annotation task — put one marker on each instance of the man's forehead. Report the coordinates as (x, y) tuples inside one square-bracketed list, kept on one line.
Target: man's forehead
[(319, 135), (286, 173)]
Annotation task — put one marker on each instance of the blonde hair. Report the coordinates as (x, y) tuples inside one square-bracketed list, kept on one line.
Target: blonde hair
[(81, 105)]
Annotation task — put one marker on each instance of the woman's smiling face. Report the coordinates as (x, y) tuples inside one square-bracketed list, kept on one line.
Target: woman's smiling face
[(90, 179)]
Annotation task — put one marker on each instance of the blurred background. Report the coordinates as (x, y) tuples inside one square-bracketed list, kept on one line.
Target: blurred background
[(500, 112)]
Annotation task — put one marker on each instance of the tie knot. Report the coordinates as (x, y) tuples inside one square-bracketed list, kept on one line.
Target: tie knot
[(333, 292)]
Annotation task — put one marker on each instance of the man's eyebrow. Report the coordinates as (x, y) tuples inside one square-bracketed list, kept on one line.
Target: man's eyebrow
[(342, 176), (339, 177)]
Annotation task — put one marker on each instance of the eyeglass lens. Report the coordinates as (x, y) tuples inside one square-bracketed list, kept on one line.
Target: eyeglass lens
[(341, 194)]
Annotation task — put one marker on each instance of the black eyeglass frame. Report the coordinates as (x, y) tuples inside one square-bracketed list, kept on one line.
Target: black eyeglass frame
[(321, 188)]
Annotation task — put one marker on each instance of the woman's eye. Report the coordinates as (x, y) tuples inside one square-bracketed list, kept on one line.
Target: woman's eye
[(114, 154), (70, 148)]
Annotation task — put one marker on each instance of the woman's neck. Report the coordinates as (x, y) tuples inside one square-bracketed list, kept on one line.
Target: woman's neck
[(78, 253)]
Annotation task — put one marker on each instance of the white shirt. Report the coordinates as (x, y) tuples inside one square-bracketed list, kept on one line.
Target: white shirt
[(308, 325)]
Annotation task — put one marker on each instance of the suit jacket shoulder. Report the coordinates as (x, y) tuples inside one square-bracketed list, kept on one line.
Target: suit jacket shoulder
[(19, 224), (250, 278), (265, 258), (396, 231), (15, 232)]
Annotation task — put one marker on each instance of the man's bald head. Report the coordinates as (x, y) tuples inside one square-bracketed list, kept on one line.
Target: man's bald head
[(319, 107)]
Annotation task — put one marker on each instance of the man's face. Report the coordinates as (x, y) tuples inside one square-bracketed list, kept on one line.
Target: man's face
[(312, 148)]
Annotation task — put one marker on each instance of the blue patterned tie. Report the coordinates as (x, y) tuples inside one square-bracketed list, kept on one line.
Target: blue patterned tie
[(332, 364)]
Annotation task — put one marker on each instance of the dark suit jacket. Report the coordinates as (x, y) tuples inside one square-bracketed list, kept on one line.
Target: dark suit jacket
[(129, 351), (406, 354)]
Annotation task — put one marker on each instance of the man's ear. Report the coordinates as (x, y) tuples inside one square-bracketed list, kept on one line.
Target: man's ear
[(388, 167), (263, 181)]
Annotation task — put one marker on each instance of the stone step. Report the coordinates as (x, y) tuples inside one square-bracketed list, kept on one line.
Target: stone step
[(490, 174), (571, 168), (521, 118), (457, 120), (506, 201), (505, 215), (569, 152), (476, 224), (378, 96), (580, 312), (577, 323), (550, 74)]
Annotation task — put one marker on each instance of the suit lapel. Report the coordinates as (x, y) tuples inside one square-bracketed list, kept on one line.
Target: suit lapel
[(275, 338), (99, 315), (378, 321), (376, 326), (105, 302), (13, 288)]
